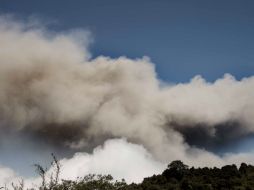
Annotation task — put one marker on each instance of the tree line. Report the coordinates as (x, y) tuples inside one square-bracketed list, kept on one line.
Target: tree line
[(177, 176)]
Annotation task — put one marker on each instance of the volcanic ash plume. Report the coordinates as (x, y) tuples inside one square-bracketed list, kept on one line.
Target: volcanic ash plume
[(52, 91)]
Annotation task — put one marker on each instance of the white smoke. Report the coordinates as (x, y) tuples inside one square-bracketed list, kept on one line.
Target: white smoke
[(48, 83)]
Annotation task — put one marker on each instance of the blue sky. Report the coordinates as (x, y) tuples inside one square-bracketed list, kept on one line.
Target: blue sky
[(183, 38)]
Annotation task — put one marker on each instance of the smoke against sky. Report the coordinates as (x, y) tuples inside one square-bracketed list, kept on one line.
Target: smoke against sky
[(55, 97)]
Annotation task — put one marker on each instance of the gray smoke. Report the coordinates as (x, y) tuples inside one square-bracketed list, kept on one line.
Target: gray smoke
[(51, 90), (226, 134)]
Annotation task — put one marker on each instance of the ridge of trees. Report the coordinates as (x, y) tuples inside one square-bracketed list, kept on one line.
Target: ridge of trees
[(177, 176)]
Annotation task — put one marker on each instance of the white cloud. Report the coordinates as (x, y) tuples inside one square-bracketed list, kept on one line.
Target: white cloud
[(117, 157)]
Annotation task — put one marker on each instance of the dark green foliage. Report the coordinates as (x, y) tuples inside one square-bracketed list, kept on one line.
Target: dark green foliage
[(176, 169)]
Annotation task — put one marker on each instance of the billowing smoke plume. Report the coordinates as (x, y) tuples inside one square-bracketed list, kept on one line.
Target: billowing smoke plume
[(52, 91)]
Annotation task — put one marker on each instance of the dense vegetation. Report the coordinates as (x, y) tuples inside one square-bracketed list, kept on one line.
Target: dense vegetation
[(177, 176)]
